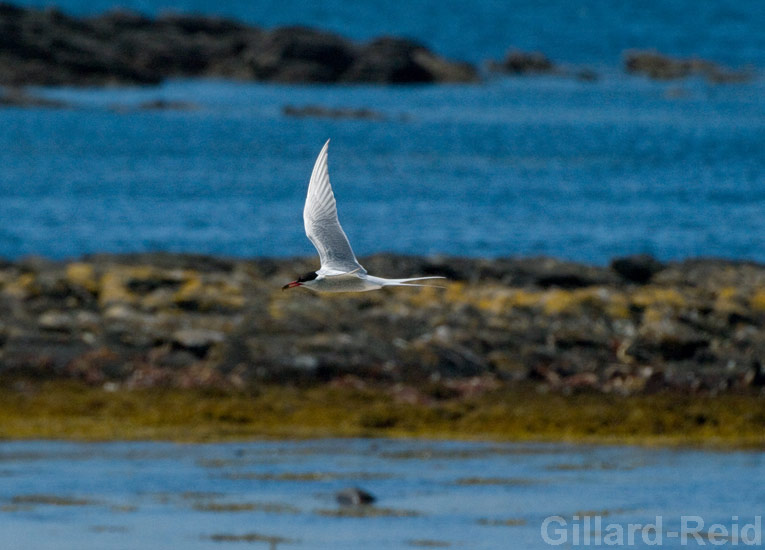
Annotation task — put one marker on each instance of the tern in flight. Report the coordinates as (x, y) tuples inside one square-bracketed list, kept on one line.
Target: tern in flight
[(340, 271)]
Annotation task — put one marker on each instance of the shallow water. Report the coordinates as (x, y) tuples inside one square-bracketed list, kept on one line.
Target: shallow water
[(512, 166), (430, 494)]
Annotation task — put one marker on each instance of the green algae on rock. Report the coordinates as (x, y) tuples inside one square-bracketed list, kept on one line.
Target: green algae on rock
[(510, 413)]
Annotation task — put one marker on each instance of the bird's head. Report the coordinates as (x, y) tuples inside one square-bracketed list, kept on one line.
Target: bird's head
[(302, 280)]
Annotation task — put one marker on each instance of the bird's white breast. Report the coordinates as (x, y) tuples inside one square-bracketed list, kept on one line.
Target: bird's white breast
[(343, 284)]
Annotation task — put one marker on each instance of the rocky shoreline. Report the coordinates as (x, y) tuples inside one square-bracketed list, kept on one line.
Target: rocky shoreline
[(46, 47), (50, 48), (173, 320)]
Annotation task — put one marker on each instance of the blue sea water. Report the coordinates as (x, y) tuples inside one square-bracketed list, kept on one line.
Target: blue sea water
[(444, 494), (511, 166)]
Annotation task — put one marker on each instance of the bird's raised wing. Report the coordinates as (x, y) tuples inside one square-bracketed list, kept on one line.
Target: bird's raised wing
[(321, 223)]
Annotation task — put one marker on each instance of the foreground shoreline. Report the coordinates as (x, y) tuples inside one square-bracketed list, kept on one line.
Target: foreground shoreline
[(77, 412), (185, 321), (197, 348)]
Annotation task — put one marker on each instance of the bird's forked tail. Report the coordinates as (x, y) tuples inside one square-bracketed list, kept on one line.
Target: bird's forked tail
[(409, 282)]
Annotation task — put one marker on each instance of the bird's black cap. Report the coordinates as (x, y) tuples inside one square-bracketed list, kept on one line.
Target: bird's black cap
[(307, 277)]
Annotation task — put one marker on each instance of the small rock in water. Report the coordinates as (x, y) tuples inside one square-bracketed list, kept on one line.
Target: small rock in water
[(519, 62), (353, 496), (658, 66), (318, 111), (167, 105)]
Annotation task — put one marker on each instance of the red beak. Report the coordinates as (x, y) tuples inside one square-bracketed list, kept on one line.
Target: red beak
[(293, 284)]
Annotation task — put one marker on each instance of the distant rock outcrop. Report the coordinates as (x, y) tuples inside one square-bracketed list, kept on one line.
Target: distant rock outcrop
[(317, 111), (520, 62), (397, 61), (48, 47), (662, 67)]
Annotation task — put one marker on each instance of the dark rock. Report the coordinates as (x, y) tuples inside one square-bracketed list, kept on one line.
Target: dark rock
[(195, 321), (540, 271), (97, 365), (654, 382), (444, 357), (300, 54), (48, 47), (40, 355), (671, 339), (519, 62), (167, 105), (166, 261), (353, 496), (549, 272), (391, 60), (197, 341), (676, 349), (178, 358), (756, 374), (17, 97), (639, 268), (197, 24), (316, 111), (119, 20), (662, 67)]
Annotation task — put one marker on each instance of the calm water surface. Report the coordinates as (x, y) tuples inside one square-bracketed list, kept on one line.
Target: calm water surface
[(457, 495)]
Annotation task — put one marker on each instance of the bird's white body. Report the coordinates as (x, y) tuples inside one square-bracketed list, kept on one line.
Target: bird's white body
[(340, 271)]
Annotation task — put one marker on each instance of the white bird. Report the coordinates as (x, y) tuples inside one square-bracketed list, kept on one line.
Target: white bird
[(340, 271)]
